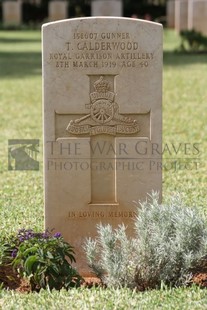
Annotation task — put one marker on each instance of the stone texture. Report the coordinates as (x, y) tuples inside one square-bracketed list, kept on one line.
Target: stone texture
[(197, 16), (181, 15), (12, 12), (106, 8), (58, 10), (102, 123), (171, 13)]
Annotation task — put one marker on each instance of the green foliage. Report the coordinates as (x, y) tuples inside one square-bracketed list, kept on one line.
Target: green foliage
[(2, 249), (108, 256), (193, 40), (44, 259), (169, 240)]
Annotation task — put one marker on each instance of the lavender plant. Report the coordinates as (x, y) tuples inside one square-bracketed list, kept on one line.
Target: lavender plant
[(111, 256), (44, 258), (169, 240)]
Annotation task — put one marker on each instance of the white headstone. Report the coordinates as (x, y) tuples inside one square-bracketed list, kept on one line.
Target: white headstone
[(102, 123), (58, 10), (12, 12), (106, 8), (197, 16), (181, 15), (171, 13)]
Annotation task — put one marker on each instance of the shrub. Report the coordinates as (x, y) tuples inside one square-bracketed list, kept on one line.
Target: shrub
[(111, 256), (169, 240), (44, 258), (193, 41)]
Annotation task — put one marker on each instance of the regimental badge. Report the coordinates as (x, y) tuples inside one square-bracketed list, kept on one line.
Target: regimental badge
[(104, 117)]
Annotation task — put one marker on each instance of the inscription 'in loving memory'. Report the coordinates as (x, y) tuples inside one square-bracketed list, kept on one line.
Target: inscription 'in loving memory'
[(101, 214), (101, 50)]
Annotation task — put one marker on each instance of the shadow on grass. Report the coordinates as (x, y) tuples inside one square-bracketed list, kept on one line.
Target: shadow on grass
[(171, 58), (19, 40), (20, 64)]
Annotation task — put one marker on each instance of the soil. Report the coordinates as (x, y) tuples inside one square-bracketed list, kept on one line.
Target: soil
[(200, 279), (11, 280)]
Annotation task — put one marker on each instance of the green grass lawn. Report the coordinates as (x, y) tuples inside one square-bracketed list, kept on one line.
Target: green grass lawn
[(21, 199), (184, 120)]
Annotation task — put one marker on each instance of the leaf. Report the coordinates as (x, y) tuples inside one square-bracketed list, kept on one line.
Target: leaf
[(30, 250), (54, 270), (29, 263), (49, 255)]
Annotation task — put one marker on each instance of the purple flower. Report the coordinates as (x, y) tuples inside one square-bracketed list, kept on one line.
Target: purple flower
[(57, 235), (21, 239), (25, 234), (14, 253), (45, 235)]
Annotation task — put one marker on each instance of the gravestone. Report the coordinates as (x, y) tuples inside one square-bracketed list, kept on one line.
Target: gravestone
[(58, 9), (197, 16), (106, 8), (12, 12), (102, 123), (181, 15), (170, 13)]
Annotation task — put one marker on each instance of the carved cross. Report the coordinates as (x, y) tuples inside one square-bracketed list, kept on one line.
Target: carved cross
[(104, 123)]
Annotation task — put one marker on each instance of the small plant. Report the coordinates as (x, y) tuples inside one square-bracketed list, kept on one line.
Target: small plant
[(111, 256), (193, 41), (170, 238), (168, 241), (44, 258)]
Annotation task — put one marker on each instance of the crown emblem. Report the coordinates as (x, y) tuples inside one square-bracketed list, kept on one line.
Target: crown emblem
[(101, 85), (102, 88)]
